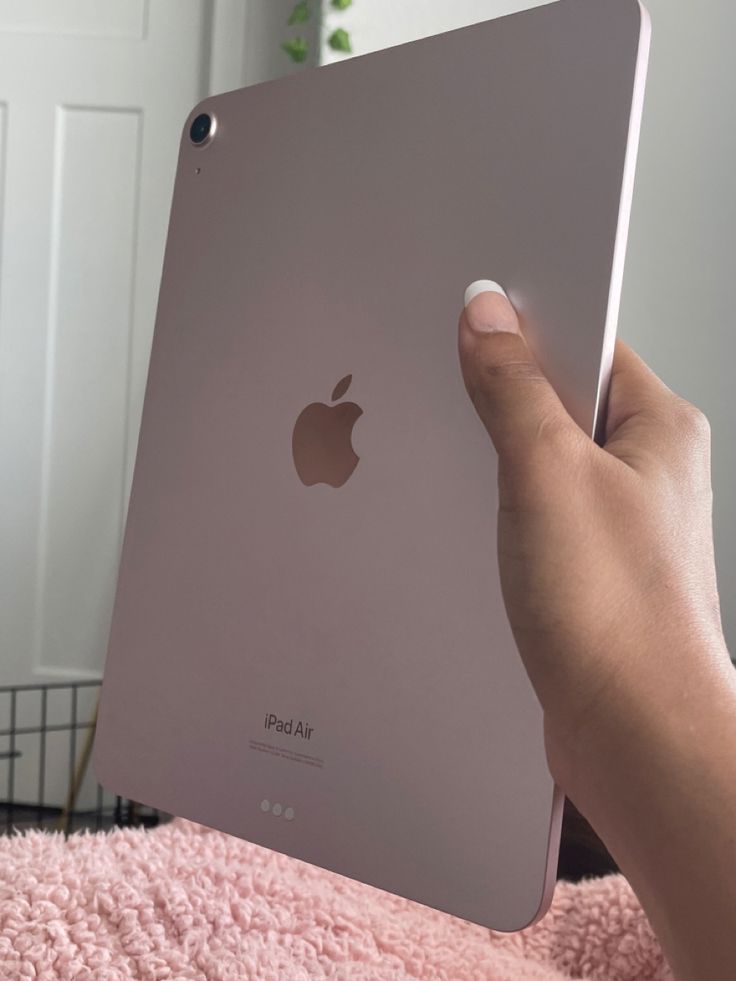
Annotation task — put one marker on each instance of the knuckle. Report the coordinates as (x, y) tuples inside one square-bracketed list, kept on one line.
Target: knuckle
[(693, 421), (550, 428), (515, 369)]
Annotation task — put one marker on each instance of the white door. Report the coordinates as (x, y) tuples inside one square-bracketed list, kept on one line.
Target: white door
[(92, 100)]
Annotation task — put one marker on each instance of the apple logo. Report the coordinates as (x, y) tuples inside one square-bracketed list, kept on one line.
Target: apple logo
[(321, 442)]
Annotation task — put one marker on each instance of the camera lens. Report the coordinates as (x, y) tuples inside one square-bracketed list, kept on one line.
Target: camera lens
[(200, 128)]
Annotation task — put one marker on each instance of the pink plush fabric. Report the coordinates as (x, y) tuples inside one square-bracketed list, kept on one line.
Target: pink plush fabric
[(184, 902)]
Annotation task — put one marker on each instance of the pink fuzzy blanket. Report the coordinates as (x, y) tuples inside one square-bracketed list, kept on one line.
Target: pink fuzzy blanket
[(184, 902)]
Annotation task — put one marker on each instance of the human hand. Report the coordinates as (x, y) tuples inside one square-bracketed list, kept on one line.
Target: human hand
[(606, 553)]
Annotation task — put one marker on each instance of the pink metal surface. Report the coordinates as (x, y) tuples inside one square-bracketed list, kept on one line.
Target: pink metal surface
[(336, 219)]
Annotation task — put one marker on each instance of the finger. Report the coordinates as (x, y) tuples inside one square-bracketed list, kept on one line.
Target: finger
[(648, 426), (514, 400), (634, 390)]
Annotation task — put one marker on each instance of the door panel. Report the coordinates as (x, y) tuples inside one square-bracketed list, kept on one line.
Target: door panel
[(92, 101)]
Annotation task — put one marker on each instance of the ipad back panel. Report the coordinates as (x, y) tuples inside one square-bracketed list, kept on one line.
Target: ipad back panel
[(328, 670)]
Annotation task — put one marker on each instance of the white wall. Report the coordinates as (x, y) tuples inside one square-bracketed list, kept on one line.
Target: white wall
[(677, 301), (265, 27)]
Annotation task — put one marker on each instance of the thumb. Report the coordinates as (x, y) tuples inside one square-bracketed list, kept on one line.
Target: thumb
[(514, 400)]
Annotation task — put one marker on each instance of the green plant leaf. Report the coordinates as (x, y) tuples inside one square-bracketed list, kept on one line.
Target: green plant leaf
[(297, 48), (341, 4), (339, 40), (300, 14)]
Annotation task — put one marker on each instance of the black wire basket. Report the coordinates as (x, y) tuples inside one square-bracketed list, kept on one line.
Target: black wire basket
[(46, 737)]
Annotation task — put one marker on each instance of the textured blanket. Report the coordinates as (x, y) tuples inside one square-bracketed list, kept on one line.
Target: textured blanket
[(184, 902)]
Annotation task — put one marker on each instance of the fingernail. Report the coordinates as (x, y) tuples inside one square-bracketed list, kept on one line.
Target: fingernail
[(482, 286), (486, 318)]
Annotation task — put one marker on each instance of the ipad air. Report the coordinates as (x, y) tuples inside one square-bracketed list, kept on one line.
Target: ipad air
[(309, 647)]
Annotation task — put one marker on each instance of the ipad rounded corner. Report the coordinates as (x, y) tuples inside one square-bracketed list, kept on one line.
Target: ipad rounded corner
[(529, 919), (548, 892), (645, 20), (553, 856)]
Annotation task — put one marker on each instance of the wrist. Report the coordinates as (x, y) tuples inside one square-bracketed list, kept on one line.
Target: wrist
[(658, 785), (655, 713)]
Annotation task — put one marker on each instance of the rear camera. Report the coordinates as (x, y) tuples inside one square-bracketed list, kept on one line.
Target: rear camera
[(201, 129)]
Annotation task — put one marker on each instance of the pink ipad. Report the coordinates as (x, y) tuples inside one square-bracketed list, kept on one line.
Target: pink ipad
[(309, 647)]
